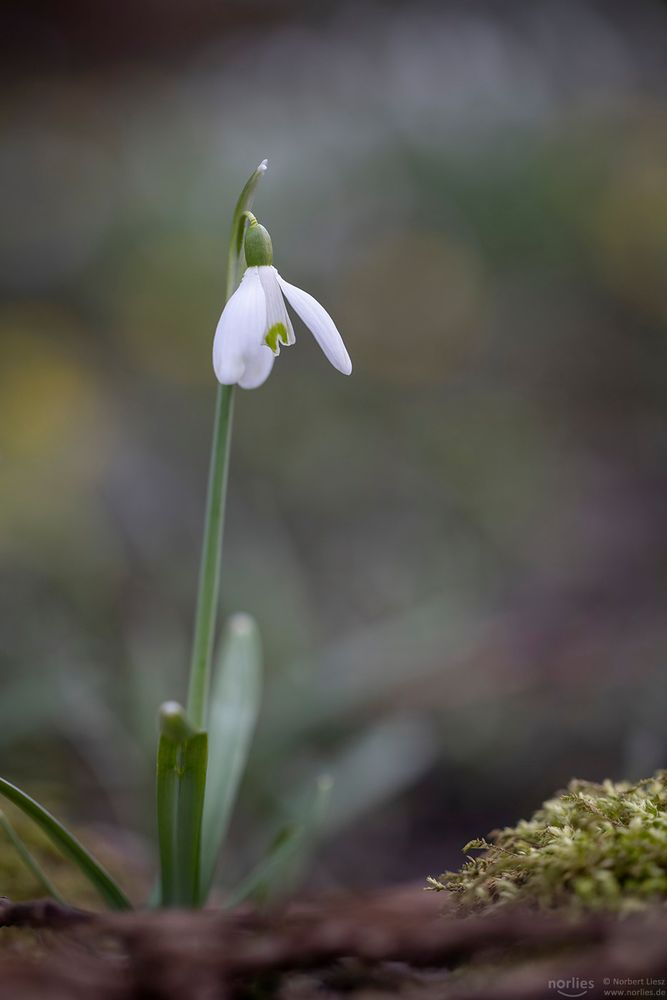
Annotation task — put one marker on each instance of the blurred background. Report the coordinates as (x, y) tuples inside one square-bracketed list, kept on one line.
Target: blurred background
[(456, 555)]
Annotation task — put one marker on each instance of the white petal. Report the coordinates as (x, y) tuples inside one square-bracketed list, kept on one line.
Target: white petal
[(276, 310), (320, 323), (240, 330), (258, 368)]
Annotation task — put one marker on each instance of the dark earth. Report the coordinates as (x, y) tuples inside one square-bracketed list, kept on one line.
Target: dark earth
[(393, 944)]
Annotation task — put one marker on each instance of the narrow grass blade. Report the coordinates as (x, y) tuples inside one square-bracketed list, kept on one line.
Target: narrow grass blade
[(181, 783), (257, 883), (29, 860), (275, 872), (168, 757), (234, 705), (190, 811), (110, 892)]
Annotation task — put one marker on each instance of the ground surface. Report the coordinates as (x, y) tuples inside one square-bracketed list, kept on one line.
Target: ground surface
[(397, 944)]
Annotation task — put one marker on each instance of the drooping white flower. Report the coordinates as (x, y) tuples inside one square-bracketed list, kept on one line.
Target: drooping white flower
[(255, 323)]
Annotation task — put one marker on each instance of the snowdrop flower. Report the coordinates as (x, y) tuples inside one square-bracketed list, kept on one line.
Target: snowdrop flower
[(255, 324)]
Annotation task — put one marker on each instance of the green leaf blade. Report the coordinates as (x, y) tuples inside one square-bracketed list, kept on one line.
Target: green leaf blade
[(234, 707), (181, 783), (167, 808), (190, 812), (276, 873), (29, 860), (67, 843)]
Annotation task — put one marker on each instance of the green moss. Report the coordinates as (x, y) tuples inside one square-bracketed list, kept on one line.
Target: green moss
[(592, 847)]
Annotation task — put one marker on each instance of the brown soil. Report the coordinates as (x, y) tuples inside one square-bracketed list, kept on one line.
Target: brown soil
[(394, 945)]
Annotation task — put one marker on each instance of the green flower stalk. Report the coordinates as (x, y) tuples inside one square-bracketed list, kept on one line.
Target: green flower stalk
[(209, 573), (183, 746), (193, 810)]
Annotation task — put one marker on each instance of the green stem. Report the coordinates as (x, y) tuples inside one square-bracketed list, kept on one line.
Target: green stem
[(209, 573), (181, 782)]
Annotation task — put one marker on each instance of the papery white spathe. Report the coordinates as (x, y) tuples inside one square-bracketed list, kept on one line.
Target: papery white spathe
[(257, 310)]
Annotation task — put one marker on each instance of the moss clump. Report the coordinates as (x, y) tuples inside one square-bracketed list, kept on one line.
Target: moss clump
[(592, 847)]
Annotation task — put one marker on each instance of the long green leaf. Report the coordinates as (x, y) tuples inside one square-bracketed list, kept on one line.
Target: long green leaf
[(234, 705), (256, 884), (168, 755), (67, 843), (190, 808), (181, 783), (29, 860), (275, 873)]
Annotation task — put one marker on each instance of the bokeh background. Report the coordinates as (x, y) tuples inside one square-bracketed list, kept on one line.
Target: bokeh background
[(456, 555)]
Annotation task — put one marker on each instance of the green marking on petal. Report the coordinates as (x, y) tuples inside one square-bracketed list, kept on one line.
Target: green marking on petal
[(277, 332)]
